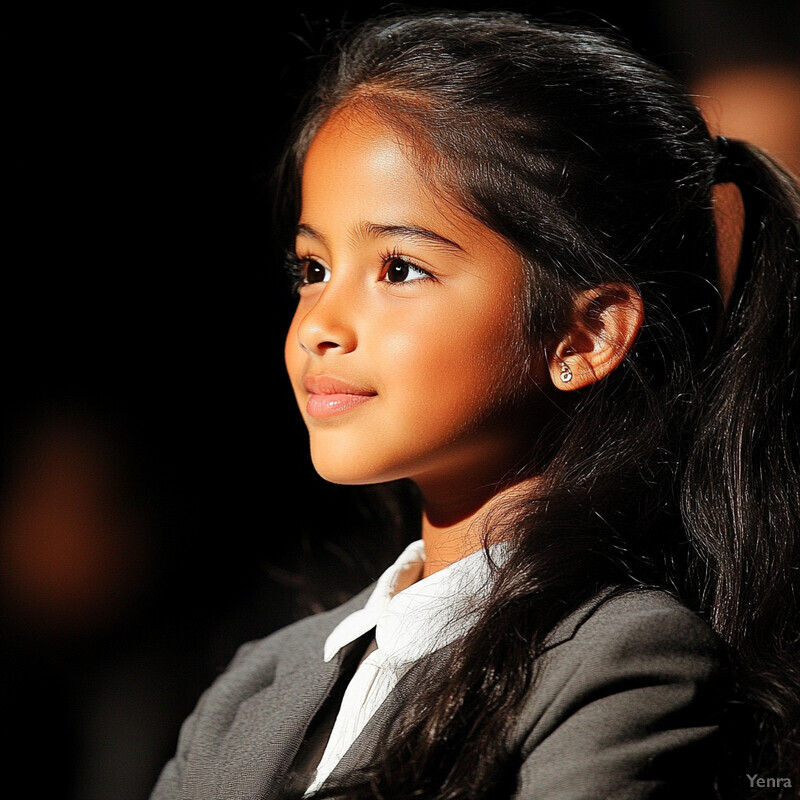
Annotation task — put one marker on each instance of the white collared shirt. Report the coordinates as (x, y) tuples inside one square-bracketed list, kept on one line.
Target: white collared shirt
[(422, 618)]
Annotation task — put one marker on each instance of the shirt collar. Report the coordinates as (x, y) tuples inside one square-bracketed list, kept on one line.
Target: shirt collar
[(427, 615)]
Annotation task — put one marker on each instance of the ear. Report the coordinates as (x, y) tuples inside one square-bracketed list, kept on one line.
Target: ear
[(606, 320)]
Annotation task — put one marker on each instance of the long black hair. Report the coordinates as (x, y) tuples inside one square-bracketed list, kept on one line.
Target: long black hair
[(680, 469)]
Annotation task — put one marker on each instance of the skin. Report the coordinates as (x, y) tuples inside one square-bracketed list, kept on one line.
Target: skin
[(454, 389), (408, 353)]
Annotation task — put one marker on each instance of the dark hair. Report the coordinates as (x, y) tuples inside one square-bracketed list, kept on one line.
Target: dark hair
[(680, 469)]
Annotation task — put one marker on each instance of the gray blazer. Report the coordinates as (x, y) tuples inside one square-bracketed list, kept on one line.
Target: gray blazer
[(626, 705)]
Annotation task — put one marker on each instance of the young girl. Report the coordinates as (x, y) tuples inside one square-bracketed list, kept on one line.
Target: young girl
[(504, 237)]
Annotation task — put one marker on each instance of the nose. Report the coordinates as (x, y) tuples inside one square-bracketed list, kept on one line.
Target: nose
[(327, 325)]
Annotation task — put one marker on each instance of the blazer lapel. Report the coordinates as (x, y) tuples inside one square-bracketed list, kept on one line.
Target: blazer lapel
[(267, 735), (256, 719), (364, 749)]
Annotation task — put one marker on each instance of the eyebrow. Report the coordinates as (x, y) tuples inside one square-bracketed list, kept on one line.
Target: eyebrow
[(373, 230)]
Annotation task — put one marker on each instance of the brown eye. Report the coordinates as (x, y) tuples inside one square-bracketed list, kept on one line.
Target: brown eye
[(316, 273), (400, 271)]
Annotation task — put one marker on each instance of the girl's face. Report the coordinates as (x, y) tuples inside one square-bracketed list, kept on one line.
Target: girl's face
[(407, 352)]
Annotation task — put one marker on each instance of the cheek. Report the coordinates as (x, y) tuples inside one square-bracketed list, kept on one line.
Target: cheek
[(457, 363)]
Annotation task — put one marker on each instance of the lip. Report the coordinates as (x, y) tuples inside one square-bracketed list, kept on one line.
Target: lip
[(329, 396)]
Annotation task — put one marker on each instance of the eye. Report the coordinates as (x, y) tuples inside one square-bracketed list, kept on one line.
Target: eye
[(398, 270), (305, 270), (314, 272)]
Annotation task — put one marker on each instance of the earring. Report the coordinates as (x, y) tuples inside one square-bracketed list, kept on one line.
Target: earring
[(566, 373)]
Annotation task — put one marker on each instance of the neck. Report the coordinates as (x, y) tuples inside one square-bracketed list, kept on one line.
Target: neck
[(456, 524)]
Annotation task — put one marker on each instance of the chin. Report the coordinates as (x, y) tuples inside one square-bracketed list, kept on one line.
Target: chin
[(353, 468), (338, 468), (340, 474)]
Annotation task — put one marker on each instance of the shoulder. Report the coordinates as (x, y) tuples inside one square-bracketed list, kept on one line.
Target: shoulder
[(629, 695), (649, 617), (288, 660), (640, 633), (246, 723)]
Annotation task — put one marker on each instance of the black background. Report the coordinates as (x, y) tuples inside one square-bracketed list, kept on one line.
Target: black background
[(141, 291)]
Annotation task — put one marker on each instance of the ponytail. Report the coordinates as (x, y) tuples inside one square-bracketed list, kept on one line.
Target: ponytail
[(741, 493)]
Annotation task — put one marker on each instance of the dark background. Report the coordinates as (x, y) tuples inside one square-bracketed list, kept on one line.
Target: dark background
[(158, 505)]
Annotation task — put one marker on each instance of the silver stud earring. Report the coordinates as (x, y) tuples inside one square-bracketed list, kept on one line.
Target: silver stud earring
[(566, 373)]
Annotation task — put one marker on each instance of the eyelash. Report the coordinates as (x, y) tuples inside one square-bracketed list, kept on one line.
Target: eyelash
[(297, 266)]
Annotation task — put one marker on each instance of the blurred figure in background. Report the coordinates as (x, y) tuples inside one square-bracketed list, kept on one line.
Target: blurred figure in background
[(75, 552), (742, 60), (77, 568)]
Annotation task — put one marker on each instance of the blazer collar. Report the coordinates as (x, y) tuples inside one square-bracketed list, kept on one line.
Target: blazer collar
[(364, 749)]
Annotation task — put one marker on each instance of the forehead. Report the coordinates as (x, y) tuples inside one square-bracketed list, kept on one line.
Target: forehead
[(355, 148), (361, 169)]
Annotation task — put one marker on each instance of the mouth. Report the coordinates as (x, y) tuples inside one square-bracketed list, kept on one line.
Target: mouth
[(329, 396)]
